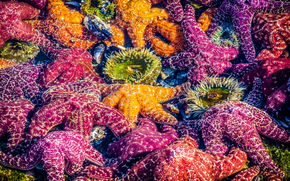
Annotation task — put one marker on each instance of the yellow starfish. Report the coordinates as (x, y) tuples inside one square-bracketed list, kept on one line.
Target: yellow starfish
[(146, 99), (134, 16)]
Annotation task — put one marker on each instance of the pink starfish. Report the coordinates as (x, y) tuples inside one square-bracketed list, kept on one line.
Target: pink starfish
[(58, 151), (12, 26), (247, 174), (242, 123), (77, 110), (202, 58), (273, 72), (183, 161), (140, 141), (21, 76), (68, 65), (13, 119)]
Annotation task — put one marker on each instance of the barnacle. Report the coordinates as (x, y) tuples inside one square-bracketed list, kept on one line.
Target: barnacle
[(133, 66), (97, 133), (9, 174), (280, 154), (103, 9), (18, 51), (212, 91)]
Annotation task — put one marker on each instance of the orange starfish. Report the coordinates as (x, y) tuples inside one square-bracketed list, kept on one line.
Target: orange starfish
[(205, 19), (134, 16), (146, 99), (64, 25), (7, 63)]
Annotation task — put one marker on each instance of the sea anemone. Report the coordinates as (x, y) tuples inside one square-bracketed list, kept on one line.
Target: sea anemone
[(104, 9), (18, 51), (133, 66), (212, 91)]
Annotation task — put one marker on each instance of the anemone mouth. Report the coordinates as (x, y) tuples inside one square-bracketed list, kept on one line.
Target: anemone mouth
[(18, 51), (212, 91), (133, 66)]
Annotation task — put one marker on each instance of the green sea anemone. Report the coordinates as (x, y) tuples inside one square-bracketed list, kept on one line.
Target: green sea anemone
[(280, 154), (133, 66), (104, 9), (212, 91), (18, 51), (225, 35), (7, 174)]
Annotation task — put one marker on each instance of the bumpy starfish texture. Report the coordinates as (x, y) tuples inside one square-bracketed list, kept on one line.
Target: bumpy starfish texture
[(13, 27), (78, 109), (140, 141), (59, 151), (202, 58), (68, 65), (273, 31), (64, 25), (255, 97), (40, 4), (132, 99), (273, 72), (247, 174), (21, 76), (7, 63), (183, 161), (242, 123), (13, 119), (241, 12)]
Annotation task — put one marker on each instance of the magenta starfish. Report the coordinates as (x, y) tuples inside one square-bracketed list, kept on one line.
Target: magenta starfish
[(140, 141), (12, 26), (68, 65), (273, 72), (241, 13), (21, 76), (183, 161), (202, 58), (13, 119), (58, 151), (242, 123), (77, 110)]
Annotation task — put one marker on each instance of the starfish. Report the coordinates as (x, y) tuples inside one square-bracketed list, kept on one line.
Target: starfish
[(58, 151), (202, 58), (174, 8), (242, 123), (40, 4), (273, 72), (247, 174), (241, 13), (64, 25), (21, 76), (74, 105), (142, 140), (205, 18), (146, 99), (13, 119), (272, 30), (4, 63), (183, 161), (12, 25), (68, 65)]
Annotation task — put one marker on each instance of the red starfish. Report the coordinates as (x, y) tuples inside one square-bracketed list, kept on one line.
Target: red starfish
[(21, 76), (247, 174), (68, 65), (12, 26), (273, 72), (13, 119)]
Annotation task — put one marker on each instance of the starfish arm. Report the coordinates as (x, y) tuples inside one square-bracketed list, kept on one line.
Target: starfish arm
[(16, 132), (239, 70), (268, 6), (230, 164), (247, 174), (93, 155), (153, 110), (209, 3), (197, 73), (26, 11), (183, 60), (163, 94), (113, 99), (255, 97), (175, 9), (107, 89), (271, 176), (136, 32), (78, 31), (242, 20), (94, 172), (212, 134), (111, 117), (187, 130)]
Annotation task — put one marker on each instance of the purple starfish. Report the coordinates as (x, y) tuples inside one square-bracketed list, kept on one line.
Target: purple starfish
[(58, 151), (140, 141), (21, 76), (78, 110), (242, 123), (12, 26), (13, 119), (241, 13), (202, 58)]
